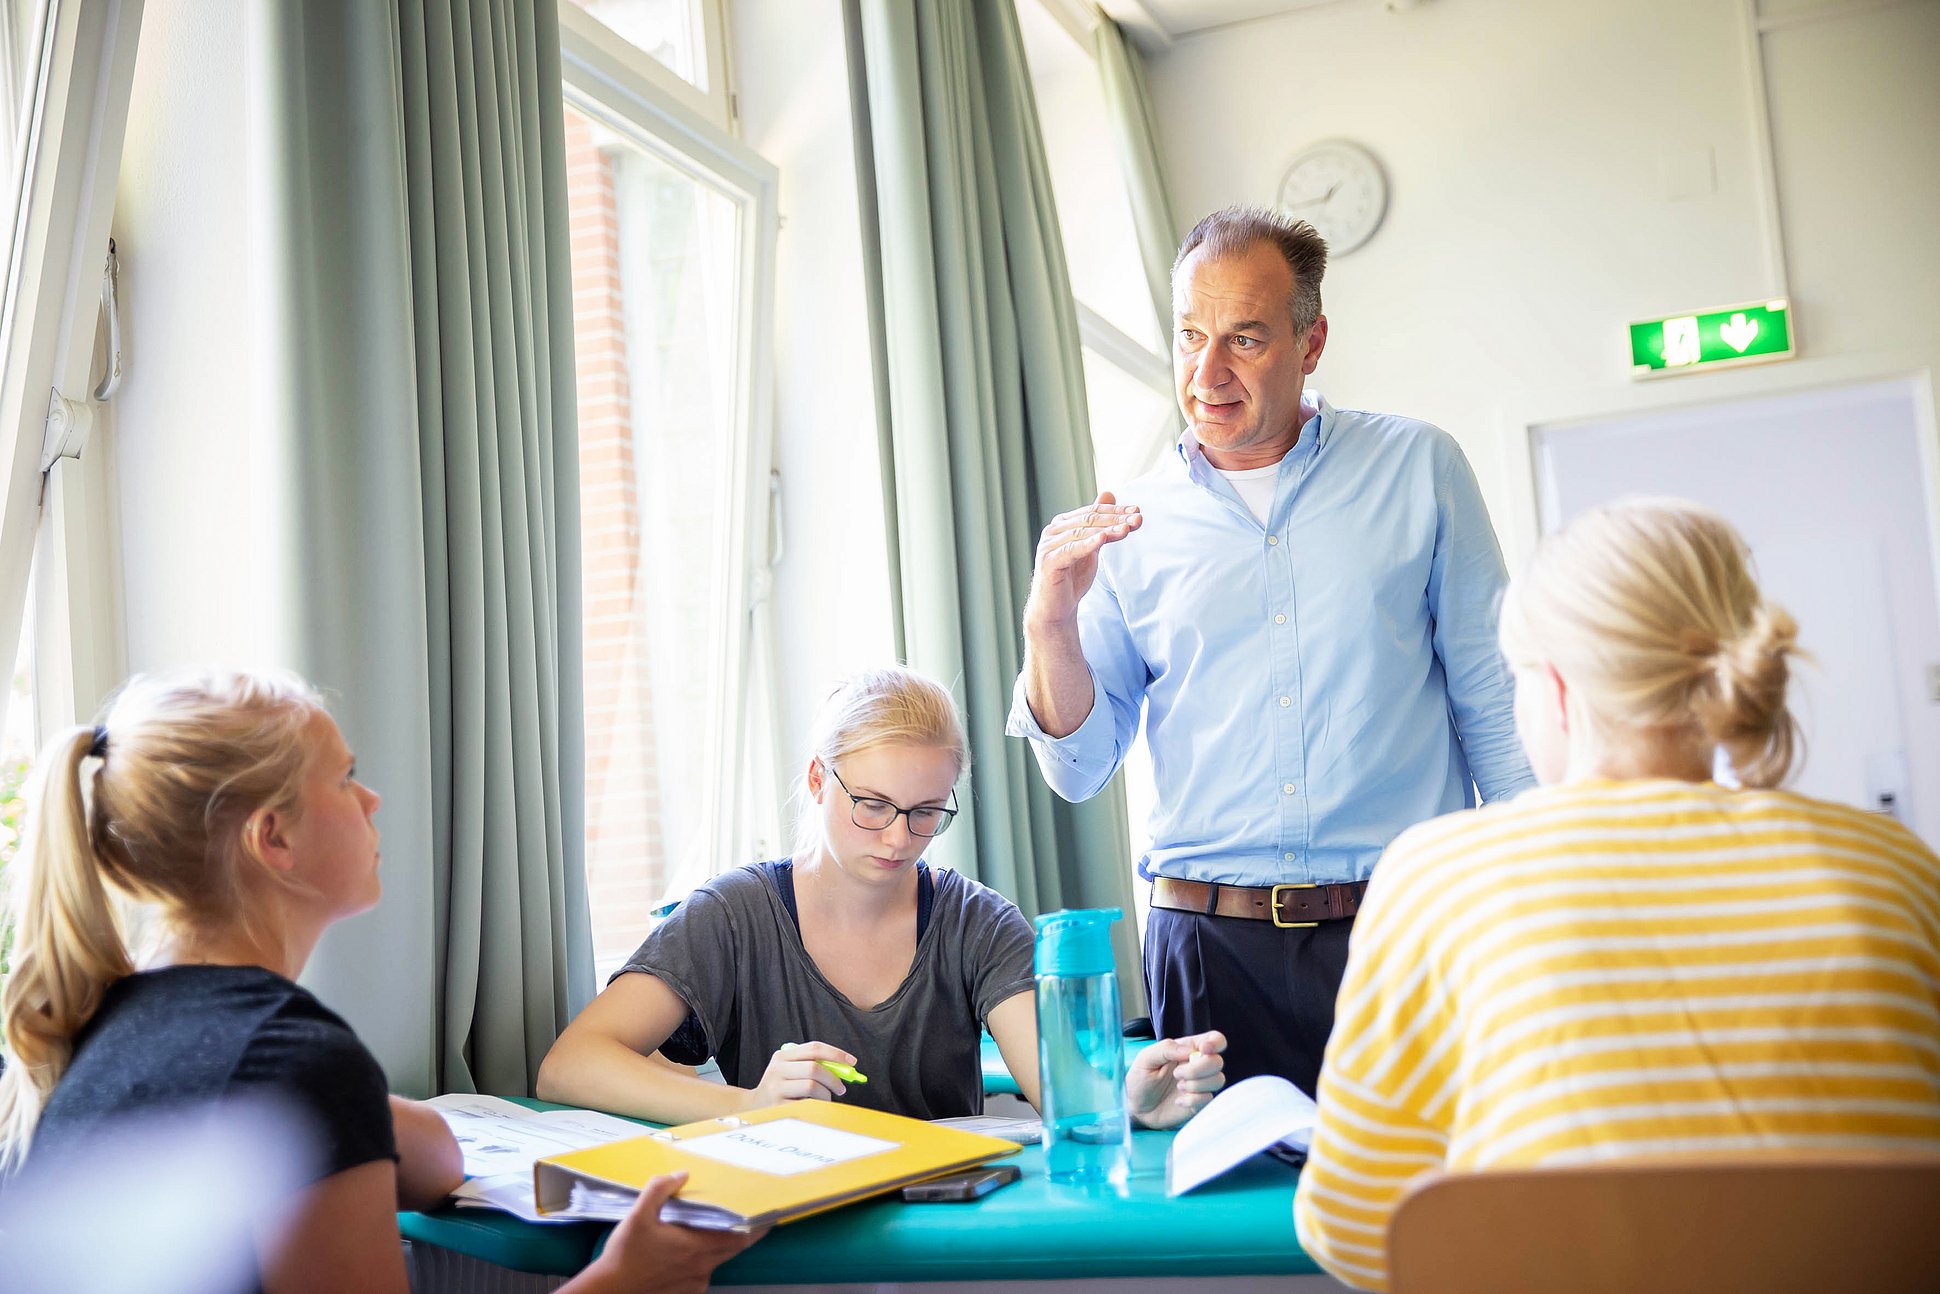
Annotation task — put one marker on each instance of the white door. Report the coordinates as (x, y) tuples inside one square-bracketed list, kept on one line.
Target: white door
[(1830, 489)]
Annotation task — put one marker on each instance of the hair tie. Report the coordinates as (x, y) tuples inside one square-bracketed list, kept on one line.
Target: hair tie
[(99, 747)]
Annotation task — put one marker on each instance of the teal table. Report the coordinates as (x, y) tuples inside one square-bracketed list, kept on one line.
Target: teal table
[(1238, 1225)]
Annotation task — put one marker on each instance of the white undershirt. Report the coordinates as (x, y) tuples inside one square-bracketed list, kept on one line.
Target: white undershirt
[(1255, 486)]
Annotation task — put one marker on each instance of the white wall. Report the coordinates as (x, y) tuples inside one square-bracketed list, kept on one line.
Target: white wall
[(1528, 148), (1526, 222), (832, 587), (1530, 220), (184, 445), (1855, 109)]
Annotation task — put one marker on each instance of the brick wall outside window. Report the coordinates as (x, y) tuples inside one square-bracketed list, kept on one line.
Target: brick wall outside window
[(625, 853)]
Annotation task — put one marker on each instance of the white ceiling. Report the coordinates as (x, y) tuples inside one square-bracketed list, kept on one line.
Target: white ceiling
[(1161, 22)]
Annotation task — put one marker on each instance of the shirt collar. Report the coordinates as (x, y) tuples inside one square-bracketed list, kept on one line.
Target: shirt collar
[(1314, 434)]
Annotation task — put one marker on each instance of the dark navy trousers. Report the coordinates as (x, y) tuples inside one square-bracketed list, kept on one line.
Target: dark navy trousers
[(1270, 991)]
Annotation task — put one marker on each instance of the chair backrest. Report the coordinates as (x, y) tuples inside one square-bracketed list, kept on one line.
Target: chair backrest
[(1768, 1226)]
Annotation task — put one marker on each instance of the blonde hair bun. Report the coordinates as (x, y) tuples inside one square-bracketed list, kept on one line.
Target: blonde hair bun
[(1650, 611), (1742, 704)]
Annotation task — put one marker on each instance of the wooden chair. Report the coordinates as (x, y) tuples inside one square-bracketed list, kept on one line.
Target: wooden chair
[(1822, 1226)]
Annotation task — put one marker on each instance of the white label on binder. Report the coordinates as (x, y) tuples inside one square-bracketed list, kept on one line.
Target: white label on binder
[(785, 1147)]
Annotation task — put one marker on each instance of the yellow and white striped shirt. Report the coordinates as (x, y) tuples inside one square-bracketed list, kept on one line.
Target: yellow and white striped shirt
[(1615, 970)]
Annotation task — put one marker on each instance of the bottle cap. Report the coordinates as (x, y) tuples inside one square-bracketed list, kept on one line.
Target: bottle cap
[(1076, 941)]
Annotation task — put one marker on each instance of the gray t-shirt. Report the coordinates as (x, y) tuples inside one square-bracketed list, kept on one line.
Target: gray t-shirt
[(734, 955)]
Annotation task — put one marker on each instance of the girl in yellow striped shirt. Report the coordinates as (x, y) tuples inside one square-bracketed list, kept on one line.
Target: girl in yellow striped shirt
[(1631, 961)]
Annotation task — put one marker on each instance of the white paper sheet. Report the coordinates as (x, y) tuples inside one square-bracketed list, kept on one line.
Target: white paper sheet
[(499, 1137), (1025, 1132), (1237, 1124), (510, 1192)]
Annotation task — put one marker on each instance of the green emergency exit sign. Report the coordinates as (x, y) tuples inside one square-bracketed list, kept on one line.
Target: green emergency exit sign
[(1748, 334)]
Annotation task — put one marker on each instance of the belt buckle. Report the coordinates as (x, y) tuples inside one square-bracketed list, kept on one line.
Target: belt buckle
[(1273, 905)]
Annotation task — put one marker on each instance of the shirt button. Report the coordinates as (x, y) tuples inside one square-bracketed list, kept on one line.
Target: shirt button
[(1288, 788), (1285, 701), (1289, 855), (1279, 620), (1273, 539)]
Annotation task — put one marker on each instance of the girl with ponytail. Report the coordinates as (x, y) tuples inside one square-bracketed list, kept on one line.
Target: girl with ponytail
[(197, 767), (1632, 960), (228, 805), (67, 944)]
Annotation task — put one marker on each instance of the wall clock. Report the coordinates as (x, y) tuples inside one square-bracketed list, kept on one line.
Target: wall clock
[(1337, 187)]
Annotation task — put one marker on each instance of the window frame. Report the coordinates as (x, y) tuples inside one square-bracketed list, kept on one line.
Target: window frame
[(631, 93), (714, 105), (1129, 356), (1137, 361), (56, 538)]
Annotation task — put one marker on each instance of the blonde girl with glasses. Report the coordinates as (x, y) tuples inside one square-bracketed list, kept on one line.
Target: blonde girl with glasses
[(853, 953), (229, 805), (1631, 960)]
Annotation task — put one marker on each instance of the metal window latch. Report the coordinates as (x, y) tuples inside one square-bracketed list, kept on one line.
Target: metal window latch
[(777, 546), (66, 434), (111, 306), (69, 422), (761, 579)]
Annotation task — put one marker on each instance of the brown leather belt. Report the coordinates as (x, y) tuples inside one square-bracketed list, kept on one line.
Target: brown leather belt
[(1285, 906)]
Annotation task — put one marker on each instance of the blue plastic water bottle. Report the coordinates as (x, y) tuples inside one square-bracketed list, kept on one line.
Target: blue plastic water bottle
[(1080, 1049)]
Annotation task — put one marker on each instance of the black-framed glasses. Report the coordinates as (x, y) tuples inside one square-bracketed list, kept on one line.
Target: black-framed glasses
[(872, 814)]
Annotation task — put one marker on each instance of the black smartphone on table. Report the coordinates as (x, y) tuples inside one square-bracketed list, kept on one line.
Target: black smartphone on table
[(959, 1188)]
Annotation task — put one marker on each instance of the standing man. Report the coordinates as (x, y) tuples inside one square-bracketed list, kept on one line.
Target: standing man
[(1303, 599)]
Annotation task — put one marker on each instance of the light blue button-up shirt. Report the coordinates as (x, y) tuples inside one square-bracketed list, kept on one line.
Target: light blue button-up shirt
[(1314, 686)]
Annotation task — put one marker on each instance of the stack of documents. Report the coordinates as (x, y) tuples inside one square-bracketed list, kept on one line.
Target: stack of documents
[(744, 1171), (501, 1139), (602, 1202), (592, 1202), (765, 1166)]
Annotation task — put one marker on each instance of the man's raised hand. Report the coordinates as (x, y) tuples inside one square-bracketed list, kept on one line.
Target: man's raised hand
[(1067, 555)]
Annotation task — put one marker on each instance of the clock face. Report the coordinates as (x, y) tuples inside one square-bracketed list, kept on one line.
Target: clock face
[(1339, 189)]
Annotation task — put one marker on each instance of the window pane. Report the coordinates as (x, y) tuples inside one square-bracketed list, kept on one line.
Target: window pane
[(1100, 242), (20, 40), (671, 31), (654, 292), (1130, 421), (1132, 425)]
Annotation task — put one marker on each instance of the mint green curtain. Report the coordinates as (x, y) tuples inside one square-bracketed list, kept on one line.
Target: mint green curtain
[(1135, 134), (411, 268), (988, 430)]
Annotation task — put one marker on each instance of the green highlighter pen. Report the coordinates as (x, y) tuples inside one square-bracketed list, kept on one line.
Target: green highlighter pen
[(847, 1073)]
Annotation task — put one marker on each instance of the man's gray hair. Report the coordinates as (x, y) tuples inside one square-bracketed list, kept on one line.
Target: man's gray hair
[(1237, 229)]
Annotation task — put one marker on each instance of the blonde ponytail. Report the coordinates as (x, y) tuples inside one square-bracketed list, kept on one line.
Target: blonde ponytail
[(1649, 610), (185, 761), (67, 944)]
